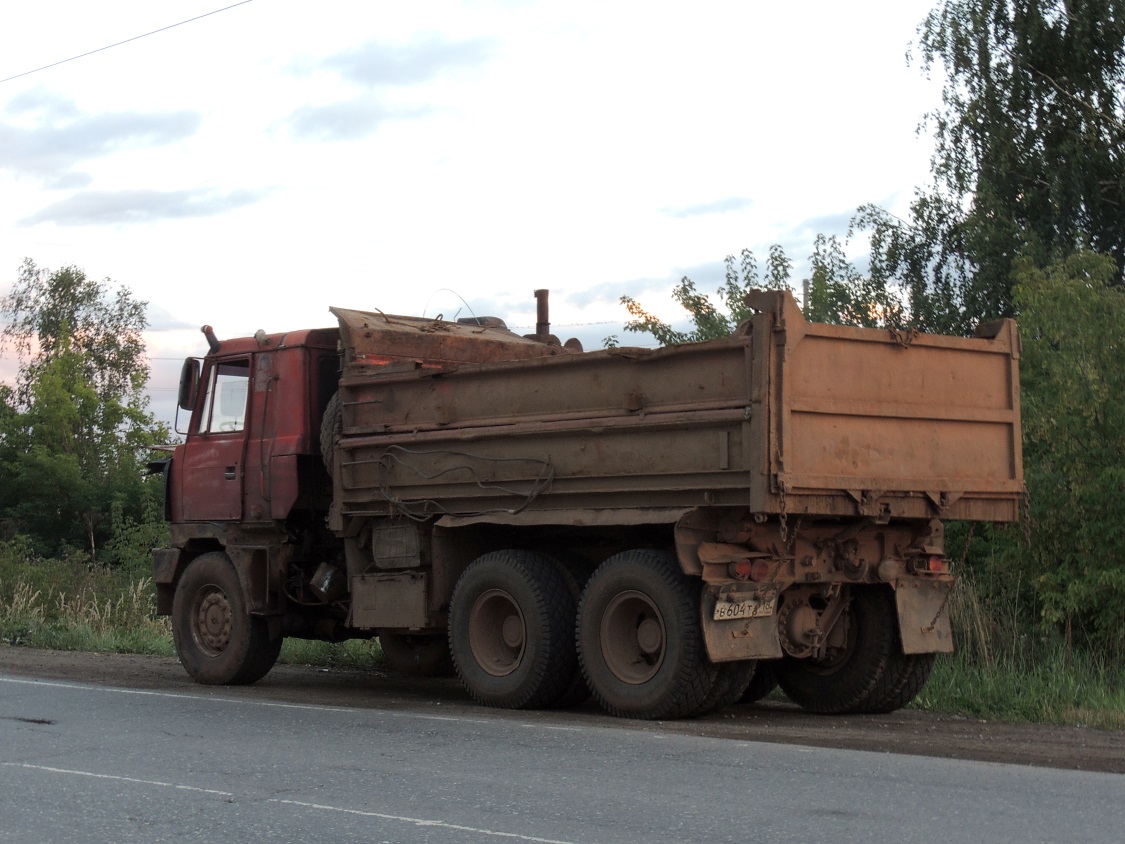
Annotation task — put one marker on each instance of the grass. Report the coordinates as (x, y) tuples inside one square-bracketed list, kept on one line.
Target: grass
[(357, 654), (70, 605), (1006, 668), (1048, 684), (998, 673)]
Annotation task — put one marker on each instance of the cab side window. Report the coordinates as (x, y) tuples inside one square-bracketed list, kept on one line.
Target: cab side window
[(224, 406)]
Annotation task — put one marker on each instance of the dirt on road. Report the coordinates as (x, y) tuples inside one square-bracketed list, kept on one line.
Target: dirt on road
[(908, 731)]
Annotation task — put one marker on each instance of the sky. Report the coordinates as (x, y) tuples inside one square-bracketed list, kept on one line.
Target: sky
[(255, 166)]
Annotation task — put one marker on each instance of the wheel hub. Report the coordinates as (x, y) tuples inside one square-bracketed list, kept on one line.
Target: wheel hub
[(214, 622), (497, 632), (512, 631), (649, 636), (633, 637), (796, 622)]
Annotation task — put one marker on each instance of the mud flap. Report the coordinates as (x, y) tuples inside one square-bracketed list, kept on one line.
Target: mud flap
[(923, 614), (164, 563), (751, 637)]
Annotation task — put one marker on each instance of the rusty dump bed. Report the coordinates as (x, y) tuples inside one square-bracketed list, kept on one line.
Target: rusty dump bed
[(375, 341), (784, 416)]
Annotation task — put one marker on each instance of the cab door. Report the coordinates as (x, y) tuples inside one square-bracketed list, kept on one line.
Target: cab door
[(213, 464)]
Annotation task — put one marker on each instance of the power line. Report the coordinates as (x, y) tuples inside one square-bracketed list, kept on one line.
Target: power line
[(126, 41)]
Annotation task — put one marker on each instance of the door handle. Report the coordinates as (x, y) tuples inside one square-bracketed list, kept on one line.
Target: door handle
[(230, 474)]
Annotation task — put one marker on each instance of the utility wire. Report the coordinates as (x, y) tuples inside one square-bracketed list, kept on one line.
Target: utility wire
[(126, 41)]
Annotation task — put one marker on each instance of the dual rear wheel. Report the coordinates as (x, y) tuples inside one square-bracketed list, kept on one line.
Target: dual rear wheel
[(524, 635), (521, 637)]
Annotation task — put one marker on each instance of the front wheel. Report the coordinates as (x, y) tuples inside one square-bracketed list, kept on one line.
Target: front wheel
[(217, 640), (640, 640)]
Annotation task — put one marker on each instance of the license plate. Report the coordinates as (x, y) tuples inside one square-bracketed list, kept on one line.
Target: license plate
[(751, 608)]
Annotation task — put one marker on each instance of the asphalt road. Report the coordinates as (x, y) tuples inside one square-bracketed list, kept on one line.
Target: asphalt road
[(83, 762)]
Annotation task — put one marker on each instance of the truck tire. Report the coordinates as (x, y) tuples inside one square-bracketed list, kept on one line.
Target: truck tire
[(847, 678), (511, 630), (577, 691), (762, 683), (217, 640), (331, 424), (640, 641), (903, 678), (730, 684), (417, 655)]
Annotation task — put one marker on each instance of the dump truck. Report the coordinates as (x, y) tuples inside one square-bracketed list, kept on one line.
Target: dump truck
[(669, 531)]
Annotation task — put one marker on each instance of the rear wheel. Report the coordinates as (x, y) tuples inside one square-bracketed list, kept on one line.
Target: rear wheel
[(417, 655), (903, 678), (511, 630), (639, 638), (762, 683), (218, 641), (730, 685), (577, 690), (850, 672)]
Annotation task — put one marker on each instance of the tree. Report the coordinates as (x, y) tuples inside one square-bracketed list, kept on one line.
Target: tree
[(711, 321), (53, 313), (75, 431), (1072, 371), (1029, 158), (840, 294)]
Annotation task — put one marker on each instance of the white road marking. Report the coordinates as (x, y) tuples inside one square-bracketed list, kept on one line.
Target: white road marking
[(244, 701), (132, 780), (532, 839), (423, 822), (141, 692)]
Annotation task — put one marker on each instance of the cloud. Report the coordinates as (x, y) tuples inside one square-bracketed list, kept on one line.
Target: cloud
[(718, 206), (826, 224), (425, 58), (47, 137), (98, 208), (378, 67), (346, 121), (161, 319)]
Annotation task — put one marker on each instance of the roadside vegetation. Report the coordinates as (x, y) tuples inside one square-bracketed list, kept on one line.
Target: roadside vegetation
[(1025, 218), (68, 603)]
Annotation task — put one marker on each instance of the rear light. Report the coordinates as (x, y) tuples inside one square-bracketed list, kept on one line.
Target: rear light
[(756, 570), (762, 570), (934, 564), (741, 570)]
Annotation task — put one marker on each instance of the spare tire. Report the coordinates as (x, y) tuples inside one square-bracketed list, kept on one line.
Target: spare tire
[(331, 425)]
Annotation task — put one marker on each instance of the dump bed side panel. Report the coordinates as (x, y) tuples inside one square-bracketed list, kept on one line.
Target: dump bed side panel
[(603, 430)]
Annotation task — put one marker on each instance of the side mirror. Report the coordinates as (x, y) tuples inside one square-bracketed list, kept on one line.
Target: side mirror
[(189, 383)]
